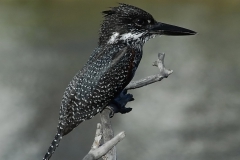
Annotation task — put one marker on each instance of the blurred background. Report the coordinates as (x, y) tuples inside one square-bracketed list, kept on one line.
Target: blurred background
[(194, 114)]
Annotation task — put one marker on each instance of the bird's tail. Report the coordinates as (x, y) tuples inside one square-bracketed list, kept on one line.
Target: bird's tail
[(54, 143)]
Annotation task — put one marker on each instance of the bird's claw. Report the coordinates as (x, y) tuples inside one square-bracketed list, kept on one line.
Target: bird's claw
[(112, 110), (119, 103)]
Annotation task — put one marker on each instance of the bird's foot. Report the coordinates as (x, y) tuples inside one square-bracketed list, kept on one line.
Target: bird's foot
[(119, 103)]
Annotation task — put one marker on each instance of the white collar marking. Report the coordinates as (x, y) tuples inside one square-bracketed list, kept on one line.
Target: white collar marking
[(125, 37), (113, 38), (128, 36)]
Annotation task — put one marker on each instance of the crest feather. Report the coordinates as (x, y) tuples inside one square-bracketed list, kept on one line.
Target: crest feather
[(108, 12)]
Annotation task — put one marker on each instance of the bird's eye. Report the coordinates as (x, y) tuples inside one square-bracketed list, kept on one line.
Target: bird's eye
[(140, 22)]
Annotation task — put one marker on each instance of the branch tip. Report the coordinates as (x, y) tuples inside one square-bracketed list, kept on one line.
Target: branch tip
[(161, 56), (122, 134)]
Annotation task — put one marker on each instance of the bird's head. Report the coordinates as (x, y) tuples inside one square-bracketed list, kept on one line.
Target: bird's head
[(129, 24)]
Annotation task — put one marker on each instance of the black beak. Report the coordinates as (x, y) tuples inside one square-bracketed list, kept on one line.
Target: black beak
[(171, 30)]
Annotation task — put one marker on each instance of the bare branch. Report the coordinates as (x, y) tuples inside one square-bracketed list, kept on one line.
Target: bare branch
[(108, 133), (106, 147), (164, 73), (98, 137), (98, 151)]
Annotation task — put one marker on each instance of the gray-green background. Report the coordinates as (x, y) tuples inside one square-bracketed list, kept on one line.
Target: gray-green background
[(192, 115)]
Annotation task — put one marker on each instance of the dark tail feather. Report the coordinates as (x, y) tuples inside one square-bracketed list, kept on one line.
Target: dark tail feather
[(54, 144)]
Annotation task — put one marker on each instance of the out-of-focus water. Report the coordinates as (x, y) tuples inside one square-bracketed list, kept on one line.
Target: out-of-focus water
[(194, 114)]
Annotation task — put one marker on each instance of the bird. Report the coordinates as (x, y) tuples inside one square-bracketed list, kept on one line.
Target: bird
[(111, 66)]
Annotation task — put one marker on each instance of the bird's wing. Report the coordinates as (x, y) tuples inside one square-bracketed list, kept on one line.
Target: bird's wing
[(92, 88)]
